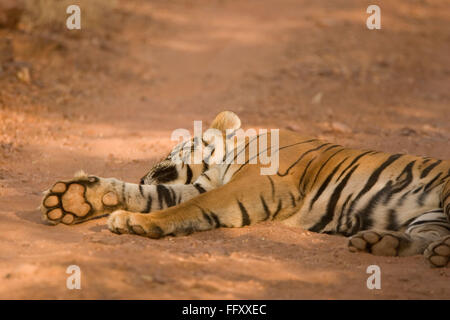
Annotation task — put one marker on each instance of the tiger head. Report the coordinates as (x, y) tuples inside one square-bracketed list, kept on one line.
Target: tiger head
[(169, 171)]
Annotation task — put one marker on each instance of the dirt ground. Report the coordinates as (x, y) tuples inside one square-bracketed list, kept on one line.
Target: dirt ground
[(106, 101)]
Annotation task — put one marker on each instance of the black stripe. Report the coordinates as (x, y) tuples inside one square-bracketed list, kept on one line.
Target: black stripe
[(199, 188), (174, 196), (148, 207), (428, 185), (245, 216), (226, 170), (206, 217), (408, 222), (205, 166), (352, 163), (341, 215), (434, 211), (292, 199), (375, 175), (392, 220), (417, 190), (188, 174), (356, 226), (328, 217), (420, 222), (278, 210), (323, 165), (444, 198), (216, 219), (374, 178), (265, 207), (427, 170), (124, 196), (301, 187), (367, 211), (301, 157), (403, 198), (386, 192), (401, 183), (331, 147), (140, 190), (426, 189), (325, 184), (164, 195)]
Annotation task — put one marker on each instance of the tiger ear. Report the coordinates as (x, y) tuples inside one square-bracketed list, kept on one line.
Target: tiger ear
[(226, 120)]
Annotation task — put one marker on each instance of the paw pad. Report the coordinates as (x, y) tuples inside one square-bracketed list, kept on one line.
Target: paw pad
[(73, 200), (377, 243), (110, 199), (59, 187), (65, 202), (438, 252), (55, 214), (51, 201)]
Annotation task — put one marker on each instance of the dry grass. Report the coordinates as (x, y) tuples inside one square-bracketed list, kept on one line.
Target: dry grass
[(51, 14)]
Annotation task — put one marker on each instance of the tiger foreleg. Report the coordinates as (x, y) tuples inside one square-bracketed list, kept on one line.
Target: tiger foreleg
[(235, 204), (86, 197)]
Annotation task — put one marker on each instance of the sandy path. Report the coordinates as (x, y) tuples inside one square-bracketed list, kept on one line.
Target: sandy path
[(305, 65)]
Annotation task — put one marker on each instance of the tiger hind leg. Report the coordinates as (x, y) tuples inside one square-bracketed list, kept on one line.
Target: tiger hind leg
[(428, 234)]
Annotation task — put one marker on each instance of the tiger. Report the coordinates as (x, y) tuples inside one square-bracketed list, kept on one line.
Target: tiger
[(386, 204)]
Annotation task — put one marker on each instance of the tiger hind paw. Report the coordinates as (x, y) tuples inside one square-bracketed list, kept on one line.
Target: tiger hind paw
[(380, 243), (438, 252)]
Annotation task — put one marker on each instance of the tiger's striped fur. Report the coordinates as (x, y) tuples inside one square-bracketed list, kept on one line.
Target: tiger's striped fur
[(389, 204)]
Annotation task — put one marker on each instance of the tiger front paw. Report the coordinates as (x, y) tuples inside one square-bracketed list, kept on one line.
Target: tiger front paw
[(122, 222), (79, 199)]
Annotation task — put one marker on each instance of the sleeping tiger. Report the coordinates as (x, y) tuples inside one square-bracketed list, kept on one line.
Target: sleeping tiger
[(388, 204)]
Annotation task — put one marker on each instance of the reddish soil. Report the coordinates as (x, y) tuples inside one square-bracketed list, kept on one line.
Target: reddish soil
[(107, 101)]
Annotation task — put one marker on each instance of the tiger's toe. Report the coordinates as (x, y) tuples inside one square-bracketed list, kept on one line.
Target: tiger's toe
[(121, 222), (118, 222), (380, 243), (438, 252)]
